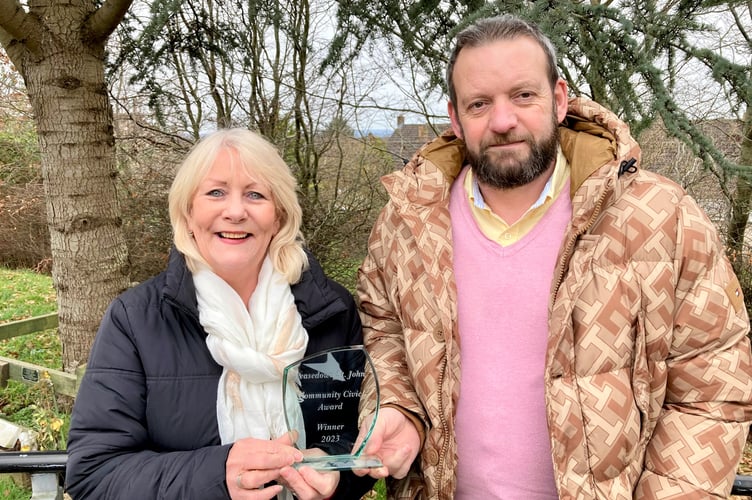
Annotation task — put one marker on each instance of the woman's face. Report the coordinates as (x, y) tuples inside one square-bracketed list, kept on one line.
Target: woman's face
[(233, 219)]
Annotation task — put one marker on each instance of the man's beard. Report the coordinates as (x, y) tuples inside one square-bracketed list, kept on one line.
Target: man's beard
[(504, 170)]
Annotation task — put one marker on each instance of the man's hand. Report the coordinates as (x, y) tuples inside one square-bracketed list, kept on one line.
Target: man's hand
[(394, 439)]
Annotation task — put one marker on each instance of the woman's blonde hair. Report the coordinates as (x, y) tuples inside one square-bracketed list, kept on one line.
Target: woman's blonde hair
[(261, 160)]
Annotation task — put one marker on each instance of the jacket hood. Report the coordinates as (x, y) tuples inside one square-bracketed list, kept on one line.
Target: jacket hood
[(590, 136)]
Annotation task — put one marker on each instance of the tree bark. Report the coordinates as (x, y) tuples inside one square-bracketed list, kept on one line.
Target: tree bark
[(58, 47), (740, 204)]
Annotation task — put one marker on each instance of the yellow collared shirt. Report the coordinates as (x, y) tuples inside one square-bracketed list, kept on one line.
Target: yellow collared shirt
[(494, 227)]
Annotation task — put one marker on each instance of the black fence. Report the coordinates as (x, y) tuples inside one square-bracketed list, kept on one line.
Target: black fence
[(54, 462)]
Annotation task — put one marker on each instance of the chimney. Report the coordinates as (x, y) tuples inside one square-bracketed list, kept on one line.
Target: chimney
[(400, 121)]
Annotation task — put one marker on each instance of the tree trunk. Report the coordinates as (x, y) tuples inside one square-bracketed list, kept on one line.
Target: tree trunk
[(61, 58), (740, 206)]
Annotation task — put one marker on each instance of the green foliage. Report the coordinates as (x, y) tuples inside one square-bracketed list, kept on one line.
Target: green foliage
[(343, 270), (19, 154), (36, 407), (24, 294), (625, 55), (11, 490), (378, 492)]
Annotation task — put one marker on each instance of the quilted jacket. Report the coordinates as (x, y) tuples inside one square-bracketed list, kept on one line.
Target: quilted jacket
[(144, 424), (648, 374)]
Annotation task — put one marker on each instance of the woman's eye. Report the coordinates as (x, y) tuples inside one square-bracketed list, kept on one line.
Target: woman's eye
[(215, 193), (255, 195)]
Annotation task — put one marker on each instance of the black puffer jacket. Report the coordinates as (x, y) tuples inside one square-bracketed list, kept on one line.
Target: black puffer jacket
[(144, 424)]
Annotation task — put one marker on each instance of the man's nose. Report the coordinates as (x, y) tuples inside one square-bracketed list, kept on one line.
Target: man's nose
[(503, 117)]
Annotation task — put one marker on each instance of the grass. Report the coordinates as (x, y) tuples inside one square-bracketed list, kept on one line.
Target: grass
[(10, 490), (25, 294)]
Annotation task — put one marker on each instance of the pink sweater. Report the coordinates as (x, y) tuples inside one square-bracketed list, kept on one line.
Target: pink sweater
[(503, 293)]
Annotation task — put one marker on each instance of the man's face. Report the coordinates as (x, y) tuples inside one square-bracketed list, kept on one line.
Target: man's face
[(506, 111)]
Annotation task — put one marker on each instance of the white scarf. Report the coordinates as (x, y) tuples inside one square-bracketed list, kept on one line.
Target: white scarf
[(253, 343)]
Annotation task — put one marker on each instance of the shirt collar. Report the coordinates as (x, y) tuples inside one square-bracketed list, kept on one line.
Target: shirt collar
[(561, 170)]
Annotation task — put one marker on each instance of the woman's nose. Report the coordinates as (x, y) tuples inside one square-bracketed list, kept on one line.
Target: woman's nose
[(235, 209)]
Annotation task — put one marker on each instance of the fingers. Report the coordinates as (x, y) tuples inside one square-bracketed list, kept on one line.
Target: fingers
[(244, 486), (374, 472), (373, 447), (395, 441), (249, 485), (309, 484), (255, 479), (287, 439), (252, 463), (398, 463), (250, 454), (363, 432)]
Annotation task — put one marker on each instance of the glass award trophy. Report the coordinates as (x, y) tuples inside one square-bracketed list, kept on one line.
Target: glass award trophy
[(321, 395)]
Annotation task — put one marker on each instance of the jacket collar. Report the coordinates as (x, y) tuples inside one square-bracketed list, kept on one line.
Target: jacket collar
[(178, 286), (315, 299), (591, 137)]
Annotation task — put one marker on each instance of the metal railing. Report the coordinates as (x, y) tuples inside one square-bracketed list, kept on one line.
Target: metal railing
[(48, 467), (52, 463), (47, 470)]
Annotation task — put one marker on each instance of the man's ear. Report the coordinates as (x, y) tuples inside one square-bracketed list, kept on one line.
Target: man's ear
[(561, 99), (456, 127)]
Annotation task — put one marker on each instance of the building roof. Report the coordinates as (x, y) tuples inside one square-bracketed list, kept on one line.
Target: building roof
[(408, 138)]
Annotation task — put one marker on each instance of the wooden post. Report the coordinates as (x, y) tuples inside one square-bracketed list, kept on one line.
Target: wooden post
[(28, 373), (4, 373), (26, 326)]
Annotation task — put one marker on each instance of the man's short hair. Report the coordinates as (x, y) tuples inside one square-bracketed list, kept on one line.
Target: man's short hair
[(493, 29)]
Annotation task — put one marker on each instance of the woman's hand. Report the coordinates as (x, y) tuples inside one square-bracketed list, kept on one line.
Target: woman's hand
[(309, 484), (252, 463)]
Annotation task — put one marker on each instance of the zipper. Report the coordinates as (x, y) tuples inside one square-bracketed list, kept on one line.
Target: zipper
[(560, 270), (444, 427)]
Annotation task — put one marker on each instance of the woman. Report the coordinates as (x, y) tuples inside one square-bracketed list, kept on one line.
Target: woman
[(181, 398)]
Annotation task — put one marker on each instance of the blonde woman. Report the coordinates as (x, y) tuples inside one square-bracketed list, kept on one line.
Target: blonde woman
[(182, 394)]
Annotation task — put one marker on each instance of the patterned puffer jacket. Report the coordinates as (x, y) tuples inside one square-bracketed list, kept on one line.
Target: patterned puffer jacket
[(648, 371)]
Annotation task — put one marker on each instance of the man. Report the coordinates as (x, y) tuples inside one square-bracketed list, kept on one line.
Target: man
[(550, 321)]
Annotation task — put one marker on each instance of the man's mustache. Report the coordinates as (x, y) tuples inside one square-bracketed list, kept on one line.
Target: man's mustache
[(503, 140)]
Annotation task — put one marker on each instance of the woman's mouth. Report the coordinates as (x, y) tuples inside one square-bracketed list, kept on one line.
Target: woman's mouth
[(234, 236)]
